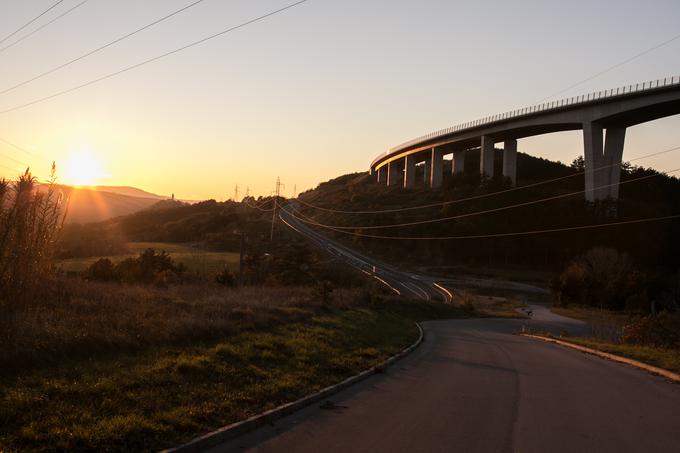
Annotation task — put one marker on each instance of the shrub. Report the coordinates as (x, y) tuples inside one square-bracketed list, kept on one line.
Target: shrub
[(101, 270), (226, 278), (147, 266), (602, 277)]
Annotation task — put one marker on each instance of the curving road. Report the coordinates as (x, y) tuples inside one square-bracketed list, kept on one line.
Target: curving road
[(473, 386), (407, 284)]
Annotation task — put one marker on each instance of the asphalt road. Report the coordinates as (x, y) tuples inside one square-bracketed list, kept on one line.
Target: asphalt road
[(472, 386), (407, 284)]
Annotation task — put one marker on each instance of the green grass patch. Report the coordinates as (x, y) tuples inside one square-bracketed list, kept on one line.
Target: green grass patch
[(196, 260), (164, 395)]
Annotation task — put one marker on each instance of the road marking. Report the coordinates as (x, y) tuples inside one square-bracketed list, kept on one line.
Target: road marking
[(413, 285), (448, 293), (388, 285)]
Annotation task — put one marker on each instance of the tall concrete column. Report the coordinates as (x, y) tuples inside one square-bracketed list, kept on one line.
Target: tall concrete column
[(510, 160), (613, 152), (437, 168), (381, 175), (486, 157), (594, 159), (409, 172), (458, 162), (392, 174), (428, 171)]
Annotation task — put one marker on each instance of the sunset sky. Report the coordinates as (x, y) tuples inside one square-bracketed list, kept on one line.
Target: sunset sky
[(311, 93)]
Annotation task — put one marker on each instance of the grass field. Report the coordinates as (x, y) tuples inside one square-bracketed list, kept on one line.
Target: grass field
[(668, 359), (182, 364), (196, 260), (606, 329)]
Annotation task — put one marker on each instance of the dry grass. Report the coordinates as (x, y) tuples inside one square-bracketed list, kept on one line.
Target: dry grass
[(95, 318), (668, 359), (606, 334), (487, 305), (139, 369), (605, 325)]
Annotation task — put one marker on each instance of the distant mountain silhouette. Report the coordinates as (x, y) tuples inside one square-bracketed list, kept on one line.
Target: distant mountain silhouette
[(129, 191), (99, 203)]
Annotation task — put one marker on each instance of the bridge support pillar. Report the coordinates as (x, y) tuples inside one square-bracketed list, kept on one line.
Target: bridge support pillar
[(603, 163), (437, 168), (381, 175), (510, 160), (486, 157), (428, 170), (458, 162), (409, 172), (392, 174), (613, 153)]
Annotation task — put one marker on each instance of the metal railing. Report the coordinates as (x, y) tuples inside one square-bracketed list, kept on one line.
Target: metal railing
[(546, 106)]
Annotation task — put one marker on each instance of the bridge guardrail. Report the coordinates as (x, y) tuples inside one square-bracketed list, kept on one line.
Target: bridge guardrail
[(543, 107)]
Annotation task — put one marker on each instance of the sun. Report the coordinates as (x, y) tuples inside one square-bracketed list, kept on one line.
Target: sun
[(82, 169)]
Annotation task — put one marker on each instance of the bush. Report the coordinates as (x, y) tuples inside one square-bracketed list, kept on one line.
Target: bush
[(101, 270), (149, 267), (226, 278), (602, 277)]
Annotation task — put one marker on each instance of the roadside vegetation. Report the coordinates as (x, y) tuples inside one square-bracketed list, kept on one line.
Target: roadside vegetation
[(630, 312), (142, 353), (141, 368)]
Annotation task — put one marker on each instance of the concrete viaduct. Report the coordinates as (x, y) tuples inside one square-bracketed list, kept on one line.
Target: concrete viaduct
[(611, 110)]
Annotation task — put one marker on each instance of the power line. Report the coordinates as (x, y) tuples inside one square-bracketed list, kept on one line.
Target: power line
[(486, 211), (30, 21), (43, 26), (487, 195), (99, 49), (611, 68), (13, 145), (512, 234), (150, 60), (14, 160)]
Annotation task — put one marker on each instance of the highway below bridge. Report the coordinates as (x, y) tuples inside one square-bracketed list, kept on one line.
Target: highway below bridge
[(473, 386), (407, 284)]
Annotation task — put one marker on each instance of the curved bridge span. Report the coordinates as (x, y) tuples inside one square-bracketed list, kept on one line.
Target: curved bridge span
[(611, 110)]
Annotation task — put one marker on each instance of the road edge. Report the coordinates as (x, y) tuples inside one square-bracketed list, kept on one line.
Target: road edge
[(607, 355), (237, 429)]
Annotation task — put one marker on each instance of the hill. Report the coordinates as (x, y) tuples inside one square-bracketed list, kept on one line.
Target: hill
[(99, 203), (129, 191), (209, 225), (653, 244)]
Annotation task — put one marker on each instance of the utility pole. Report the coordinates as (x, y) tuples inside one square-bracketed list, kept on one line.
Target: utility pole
[(276, 204), (247, 191), (294, 190), (236, 193)]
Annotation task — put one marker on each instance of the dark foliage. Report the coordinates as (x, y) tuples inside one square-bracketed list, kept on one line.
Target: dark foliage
[(149, 267)]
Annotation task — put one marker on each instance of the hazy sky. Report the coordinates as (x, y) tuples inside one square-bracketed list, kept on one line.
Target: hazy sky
[(314, 92)]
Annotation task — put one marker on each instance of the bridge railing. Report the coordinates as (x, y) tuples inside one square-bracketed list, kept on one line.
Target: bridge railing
[(545, 106)]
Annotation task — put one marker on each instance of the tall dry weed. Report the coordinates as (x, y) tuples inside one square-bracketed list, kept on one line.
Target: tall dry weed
[(30, 217)]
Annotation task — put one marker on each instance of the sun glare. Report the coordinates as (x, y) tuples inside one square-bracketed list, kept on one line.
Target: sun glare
[(82, 169)]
